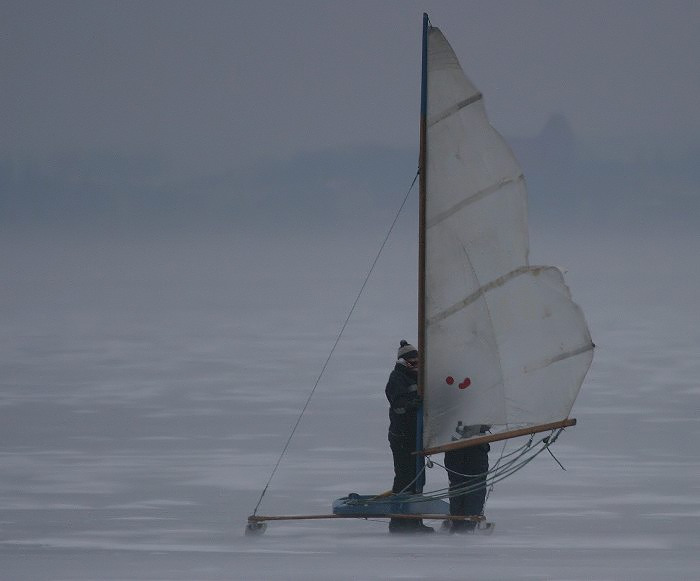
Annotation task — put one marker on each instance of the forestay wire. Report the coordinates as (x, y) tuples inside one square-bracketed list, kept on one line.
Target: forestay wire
[(337, 340)]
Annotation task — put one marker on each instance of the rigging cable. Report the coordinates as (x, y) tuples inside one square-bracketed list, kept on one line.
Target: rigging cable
[(522, 456), (337, 340), (500, 458)]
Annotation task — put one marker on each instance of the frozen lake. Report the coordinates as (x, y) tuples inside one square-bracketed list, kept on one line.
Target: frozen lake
[(147, 388)]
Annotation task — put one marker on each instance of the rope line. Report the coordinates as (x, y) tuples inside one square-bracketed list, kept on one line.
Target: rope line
[(490, 489), (335, 344), (520, 458)]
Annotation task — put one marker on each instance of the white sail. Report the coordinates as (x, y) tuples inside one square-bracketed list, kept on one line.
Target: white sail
[(504, 344)]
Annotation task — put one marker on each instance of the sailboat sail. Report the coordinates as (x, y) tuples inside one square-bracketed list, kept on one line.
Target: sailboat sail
[(504, 345)]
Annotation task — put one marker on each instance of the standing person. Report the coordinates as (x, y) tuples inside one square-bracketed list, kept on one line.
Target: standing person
[(467, 467), (404, 402)]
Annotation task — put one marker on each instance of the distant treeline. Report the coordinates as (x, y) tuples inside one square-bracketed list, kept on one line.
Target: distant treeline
[(344, 188)]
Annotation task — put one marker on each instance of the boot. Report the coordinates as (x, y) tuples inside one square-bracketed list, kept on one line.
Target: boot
[(399, 525), (462, 527), (421, 528), (408, 526)]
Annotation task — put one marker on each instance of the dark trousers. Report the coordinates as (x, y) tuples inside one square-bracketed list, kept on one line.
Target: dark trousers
[(402, 448), (470, 466), (404, 474)]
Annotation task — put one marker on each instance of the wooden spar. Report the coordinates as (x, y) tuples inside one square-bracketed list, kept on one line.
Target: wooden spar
[(255, 518), (422, 157), (422, 184), (497, 437)]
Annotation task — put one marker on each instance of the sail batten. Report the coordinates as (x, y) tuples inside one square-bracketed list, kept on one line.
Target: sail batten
[(452, 110), (479, 293), (559, 357), (473, 198)]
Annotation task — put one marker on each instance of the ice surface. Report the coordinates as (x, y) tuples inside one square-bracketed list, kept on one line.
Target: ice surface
[(147, 391)]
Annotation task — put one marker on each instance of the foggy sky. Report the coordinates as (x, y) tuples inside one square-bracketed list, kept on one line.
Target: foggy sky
[(230, 107), (219, 83)]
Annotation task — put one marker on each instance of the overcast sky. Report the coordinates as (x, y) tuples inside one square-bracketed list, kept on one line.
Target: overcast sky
[(211, 86)]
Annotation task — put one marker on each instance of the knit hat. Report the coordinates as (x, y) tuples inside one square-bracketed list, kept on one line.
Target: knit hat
[(407, 351)]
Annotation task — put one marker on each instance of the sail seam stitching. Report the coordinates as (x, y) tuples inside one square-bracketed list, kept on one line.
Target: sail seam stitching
[(456, 107), (500, 281), (475, 198)]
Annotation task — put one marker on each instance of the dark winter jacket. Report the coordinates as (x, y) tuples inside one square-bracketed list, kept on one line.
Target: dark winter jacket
[(404, 401)]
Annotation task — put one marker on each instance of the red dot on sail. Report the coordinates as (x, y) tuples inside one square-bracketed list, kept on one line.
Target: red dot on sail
[(449, 380), (465, 384)]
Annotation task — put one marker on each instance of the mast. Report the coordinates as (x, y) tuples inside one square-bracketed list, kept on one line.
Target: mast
[(422, 162), (422, 159)]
